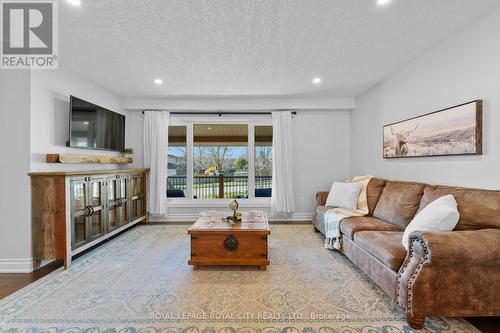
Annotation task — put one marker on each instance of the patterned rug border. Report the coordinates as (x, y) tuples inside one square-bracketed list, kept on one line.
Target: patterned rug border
[(213, 329)]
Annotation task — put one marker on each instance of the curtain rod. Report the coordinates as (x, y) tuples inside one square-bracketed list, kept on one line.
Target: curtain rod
[(219, 113)]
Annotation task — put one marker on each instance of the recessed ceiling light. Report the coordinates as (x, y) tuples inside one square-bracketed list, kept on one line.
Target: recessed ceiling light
[(317, 80), (74, 2), (383, 2), (158, 81)]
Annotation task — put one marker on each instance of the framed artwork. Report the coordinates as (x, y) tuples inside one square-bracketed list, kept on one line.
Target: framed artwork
[(452, 131)]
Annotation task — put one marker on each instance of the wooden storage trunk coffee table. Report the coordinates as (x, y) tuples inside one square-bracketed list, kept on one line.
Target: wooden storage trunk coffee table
[(217, 242)]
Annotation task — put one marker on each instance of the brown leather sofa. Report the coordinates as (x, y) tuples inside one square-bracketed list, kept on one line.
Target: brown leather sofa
[(450, 274)]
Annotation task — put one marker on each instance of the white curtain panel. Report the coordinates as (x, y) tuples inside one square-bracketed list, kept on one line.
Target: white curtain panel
[(155, 148), (282, 192)]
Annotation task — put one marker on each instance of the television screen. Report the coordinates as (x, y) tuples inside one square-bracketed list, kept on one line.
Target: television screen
[(95, 127)]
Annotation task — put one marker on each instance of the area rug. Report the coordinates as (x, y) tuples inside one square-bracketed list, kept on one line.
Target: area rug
[(140, 282)]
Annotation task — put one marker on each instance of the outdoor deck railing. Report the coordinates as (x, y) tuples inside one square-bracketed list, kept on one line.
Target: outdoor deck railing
[(212, 187)]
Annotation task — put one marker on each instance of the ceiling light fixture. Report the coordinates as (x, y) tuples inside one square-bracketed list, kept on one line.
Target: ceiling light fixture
[(317, 80), (158, 81), (74, 2), (383, 2)]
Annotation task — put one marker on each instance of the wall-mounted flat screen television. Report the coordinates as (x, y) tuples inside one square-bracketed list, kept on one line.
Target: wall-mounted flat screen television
[(94, 127)]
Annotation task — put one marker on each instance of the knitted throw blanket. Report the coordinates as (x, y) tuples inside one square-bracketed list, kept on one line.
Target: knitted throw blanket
[(334, 216)]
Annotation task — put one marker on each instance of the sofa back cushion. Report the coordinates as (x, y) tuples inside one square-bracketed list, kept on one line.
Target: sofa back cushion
[(478, 209), (399, 202), (373, 192)]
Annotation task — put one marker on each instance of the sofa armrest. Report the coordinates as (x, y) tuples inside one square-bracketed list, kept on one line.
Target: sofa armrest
[(321, 198), (472, 247), (451, 273)]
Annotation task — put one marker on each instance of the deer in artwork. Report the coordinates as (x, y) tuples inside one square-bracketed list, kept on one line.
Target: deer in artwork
[(401, 144)]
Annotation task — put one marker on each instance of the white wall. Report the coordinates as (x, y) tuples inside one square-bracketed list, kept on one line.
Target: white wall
[(50, 91), (463, 68), (321, 155), (216, 103), (133, 136), (15, 199), (35, 121)]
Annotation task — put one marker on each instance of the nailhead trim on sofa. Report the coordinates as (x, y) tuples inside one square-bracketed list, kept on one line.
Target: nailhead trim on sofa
[(418, 268)]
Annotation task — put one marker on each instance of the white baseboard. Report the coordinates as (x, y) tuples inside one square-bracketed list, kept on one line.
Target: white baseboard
[(16, 265), (301, 217), (297, 217)]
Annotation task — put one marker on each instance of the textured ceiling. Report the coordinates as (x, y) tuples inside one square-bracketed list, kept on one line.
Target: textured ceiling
[(253, 47)]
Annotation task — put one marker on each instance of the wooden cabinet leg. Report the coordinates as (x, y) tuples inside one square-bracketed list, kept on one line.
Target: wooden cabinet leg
[(196, 267), (263, 267), (415, 322)]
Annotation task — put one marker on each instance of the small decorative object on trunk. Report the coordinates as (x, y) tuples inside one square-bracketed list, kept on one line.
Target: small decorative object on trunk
[(128, 152), (236, 216)]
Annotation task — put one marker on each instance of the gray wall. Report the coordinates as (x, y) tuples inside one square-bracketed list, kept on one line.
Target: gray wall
[(461, 69), (15, 200)]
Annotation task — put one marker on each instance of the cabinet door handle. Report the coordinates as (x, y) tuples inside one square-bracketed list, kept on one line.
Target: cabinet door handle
[(88, 211)]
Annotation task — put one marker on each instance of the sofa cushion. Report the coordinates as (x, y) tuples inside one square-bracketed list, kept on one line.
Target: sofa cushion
[(399, 202), (349, 226), (385, 246), (479, 209), (373, 192)]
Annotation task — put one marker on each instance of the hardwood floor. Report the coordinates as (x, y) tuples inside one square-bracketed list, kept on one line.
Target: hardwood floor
[(12, 282), (485, 324)]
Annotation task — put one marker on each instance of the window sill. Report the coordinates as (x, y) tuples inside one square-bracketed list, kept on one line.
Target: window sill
[(243, 203)]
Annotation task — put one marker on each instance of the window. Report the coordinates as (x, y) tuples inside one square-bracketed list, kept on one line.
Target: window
[(218, 159), (177, 158), (263, 160)]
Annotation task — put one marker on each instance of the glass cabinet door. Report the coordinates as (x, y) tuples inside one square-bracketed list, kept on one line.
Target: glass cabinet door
[(79, 212), (123, 211), (101, 204), (112, 198), (137, 203), (141, 200), (97, 204)]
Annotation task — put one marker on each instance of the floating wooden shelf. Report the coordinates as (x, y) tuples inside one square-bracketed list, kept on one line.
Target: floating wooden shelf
[(87, 159)]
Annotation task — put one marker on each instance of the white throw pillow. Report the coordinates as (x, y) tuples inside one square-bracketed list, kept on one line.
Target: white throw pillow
[(344, 195), (440, 215)]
